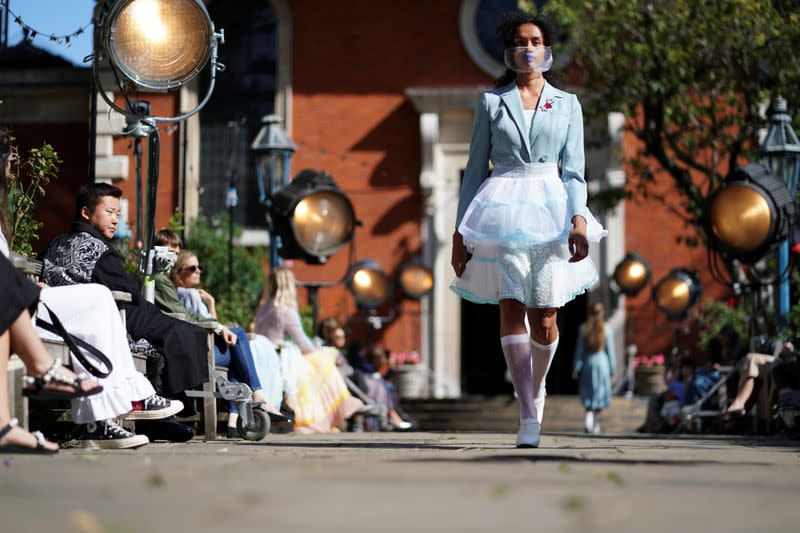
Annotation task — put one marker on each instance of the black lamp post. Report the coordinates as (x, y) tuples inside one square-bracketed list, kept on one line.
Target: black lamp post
[(780, 152), (273, 149)]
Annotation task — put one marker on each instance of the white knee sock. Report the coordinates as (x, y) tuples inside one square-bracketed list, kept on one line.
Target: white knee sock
[(542, 359), (588, 421), (517, 351)]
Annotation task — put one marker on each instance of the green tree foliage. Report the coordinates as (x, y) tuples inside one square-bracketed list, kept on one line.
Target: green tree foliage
[(692, 76), (26, 186), (209, 241)]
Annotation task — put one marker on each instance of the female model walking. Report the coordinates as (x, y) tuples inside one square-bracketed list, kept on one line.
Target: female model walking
[(594, 366), (521, 238)]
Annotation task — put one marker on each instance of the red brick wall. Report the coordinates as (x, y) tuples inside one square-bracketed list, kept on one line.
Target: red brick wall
[(651, 230), (352, 62), (169, 178), (57, 208)]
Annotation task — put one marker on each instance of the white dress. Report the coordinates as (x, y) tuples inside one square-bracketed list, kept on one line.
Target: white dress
[(90, 313)]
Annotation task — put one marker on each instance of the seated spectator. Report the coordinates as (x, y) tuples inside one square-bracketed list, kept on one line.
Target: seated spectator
[(315, 390), (90, 314), (20, 295), (378, 388), (232, 346), (751, 367), (86, 256)]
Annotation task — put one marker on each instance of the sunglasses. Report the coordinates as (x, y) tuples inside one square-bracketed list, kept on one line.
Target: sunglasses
[(194, 268)]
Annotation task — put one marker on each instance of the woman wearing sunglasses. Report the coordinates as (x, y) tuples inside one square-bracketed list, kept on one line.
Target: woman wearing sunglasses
[(232, 348)]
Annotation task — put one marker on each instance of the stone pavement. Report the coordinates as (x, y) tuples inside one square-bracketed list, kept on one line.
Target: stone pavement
[(410, 481)]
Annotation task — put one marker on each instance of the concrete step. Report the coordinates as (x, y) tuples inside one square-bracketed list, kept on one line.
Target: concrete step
[(500, 413)]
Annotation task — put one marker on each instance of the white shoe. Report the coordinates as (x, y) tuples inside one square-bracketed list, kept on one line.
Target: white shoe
[(528, 435), (596, 428), (539, 404)]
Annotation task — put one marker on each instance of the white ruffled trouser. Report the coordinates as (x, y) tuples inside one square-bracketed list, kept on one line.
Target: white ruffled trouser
[(89, 312)]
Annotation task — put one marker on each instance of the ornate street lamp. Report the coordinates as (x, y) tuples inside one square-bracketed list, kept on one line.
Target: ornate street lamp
[(273, 149), (780, 151), (677, 292)]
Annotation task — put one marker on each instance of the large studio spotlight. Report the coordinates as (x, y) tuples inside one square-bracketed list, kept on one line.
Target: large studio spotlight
[(369, 284), (750, 214), (632, 274), (159, 44), (312, 217), (416, 280), (677, 292)]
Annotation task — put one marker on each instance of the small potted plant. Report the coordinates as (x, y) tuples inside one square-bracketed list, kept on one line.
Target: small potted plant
[(649, 372), (411, 377)]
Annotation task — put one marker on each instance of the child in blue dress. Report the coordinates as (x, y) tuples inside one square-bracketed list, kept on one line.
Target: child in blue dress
[(594, 366), (522, 233)]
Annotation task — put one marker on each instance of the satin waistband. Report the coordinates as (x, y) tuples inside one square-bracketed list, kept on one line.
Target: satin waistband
[(526, 170)]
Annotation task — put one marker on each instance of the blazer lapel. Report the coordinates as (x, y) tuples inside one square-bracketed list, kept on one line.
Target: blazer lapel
[(513, 102), (542, 112)]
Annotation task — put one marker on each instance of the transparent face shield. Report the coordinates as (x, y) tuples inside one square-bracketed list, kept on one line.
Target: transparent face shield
[(524, 59)]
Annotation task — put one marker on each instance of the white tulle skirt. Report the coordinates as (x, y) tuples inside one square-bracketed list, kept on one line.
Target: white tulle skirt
[(516, 228)]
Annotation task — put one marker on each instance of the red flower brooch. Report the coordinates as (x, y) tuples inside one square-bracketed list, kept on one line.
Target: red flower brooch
[(547, 105)]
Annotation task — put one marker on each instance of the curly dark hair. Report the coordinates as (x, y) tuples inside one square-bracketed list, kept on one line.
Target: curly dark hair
[(507, 30)]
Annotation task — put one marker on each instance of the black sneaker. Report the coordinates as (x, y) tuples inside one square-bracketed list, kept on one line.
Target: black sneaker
[(108, 435), (154, 408), (167, 429)]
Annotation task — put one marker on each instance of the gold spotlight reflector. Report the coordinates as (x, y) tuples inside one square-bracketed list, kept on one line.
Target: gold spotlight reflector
[(750, 214), (323, 222), (416, 280), (632, 274), (159, 44), (741, 218), (369, 285), (676, 293)]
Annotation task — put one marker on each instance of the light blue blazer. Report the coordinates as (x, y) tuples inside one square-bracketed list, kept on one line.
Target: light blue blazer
[(499, 134)]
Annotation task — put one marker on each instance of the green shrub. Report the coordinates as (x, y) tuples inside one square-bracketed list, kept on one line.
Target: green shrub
[(714, 316), (26, 186), (236, 302)]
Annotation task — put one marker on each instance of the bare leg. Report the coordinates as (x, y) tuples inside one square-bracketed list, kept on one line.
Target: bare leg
[(17, 436), (544, 326), (745, 391), (30, 349)]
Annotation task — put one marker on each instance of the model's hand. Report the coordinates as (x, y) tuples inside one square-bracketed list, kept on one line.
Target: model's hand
[(578, 245), (460, 255)]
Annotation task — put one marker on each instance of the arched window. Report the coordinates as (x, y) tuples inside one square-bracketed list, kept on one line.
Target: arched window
[(244, 93)]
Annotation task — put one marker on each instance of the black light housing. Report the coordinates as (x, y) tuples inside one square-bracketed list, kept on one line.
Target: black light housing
[(369, 284), (750, 214), (677, 292), (632, 274), (312, 217)]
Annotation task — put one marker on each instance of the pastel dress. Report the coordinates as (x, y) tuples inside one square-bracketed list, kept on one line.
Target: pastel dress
[(516, 222), (594, 370), (314, 388)]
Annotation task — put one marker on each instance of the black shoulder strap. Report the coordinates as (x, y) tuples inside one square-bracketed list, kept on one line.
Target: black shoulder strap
[(73, 344)]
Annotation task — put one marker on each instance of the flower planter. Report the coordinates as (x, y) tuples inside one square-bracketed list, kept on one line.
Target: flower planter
[(411, 381), (650, 380)]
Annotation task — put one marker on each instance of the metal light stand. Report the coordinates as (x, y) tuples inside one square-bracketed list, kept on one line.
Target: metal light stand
[(151, 124)]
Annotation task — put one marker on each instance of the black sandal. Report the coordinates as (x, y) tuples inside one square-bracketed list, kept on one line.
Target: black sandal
[(38, 385), (16, 448)]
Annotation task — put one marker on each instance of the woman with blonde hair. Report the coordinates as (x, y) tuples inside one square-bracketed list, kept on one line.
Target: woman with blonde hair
[(315, 390), (594, 366)]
